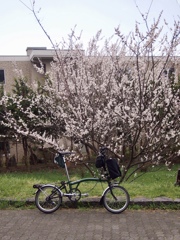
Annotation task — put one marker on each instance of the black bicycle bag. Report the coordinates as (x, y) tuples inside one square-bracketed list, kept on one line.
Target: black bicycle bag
[(100, 162), (59, 160), (113, 168)]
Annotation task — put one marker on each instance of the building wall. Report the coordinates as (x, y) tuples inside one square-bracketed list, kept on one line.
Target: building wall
[(10, 75), (24, 64), (9, 64)]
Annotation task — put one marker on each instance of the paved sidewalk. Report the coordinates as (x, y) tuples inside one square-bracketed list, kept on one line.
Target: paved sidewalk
[(93, 224)]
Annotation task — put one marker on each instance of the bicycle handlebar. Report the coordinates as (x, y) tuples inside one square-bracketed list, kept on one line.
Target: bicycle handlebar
[(65, 153), (102, 150)]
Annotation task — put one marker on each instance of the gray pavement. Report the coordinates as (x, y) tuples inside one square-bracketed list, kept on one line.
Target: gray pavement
[(89, 224)]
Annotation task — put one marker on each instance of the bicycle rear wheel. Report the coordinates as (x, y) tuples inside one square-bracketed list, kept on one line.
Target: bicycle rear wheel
[(48, 199), (116, 199)]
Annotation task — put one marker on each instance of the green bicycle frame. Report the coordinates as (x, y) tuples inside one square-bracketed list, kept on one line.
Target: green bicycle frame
[(78, 182)]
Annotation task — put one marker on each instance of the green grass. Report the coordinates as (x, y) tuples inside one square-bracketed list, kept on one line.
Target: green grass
[(18, 185), (155, 183)]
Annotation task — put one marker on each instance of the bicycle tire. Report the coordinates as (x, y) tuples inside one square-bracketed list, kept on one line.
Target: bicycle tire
[(116, 199), (48, 199)]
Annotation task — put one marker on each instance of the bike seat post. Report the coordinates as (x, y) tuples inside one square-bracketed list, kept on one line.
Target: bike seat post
[(63, 154), (66, 168)]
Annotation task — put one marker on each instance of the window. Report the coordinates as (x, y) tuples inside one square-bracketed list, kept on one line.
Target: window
[(40, 65), (170, 73), (4, 147), (2, 78)]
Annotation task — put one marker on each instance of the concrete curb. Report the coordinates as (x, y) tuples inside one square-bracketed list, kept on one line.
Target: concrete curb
[(95, 202)]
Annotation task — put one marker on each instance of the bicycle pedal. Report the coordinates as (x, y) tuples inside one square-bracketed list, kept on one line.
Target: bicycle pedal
[(37, 186), (85, 194)]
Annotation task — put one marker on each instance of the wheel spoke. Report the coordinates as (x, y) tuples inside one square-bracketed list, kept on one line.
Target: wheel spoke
[(116, 199), (48, 199)]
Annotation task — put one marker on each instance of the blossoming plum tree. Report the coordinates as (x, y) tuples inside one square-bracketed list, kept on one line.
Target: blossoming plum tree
[(123, 94)]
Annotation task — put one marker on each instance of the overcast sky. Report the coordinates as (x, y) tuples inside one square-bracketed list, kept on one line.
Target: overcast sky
[(20, 30)]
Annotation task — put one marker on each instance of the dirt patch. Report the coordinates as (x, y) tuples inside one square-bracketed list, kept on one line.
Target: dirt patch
[(31, 168)]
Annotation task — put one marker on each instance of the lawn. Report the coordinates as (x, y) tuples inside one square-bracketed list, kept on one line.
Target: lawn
[(154, 183)]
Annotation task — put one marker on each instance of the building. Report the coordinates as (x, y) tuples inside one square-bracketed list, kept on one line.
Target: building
[(8, 64), (25, 63)]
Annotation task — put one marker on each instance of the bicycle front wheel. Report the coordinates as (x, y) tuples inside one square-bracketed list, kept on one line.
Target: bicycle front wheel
[(116, 199), (48, 199)]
